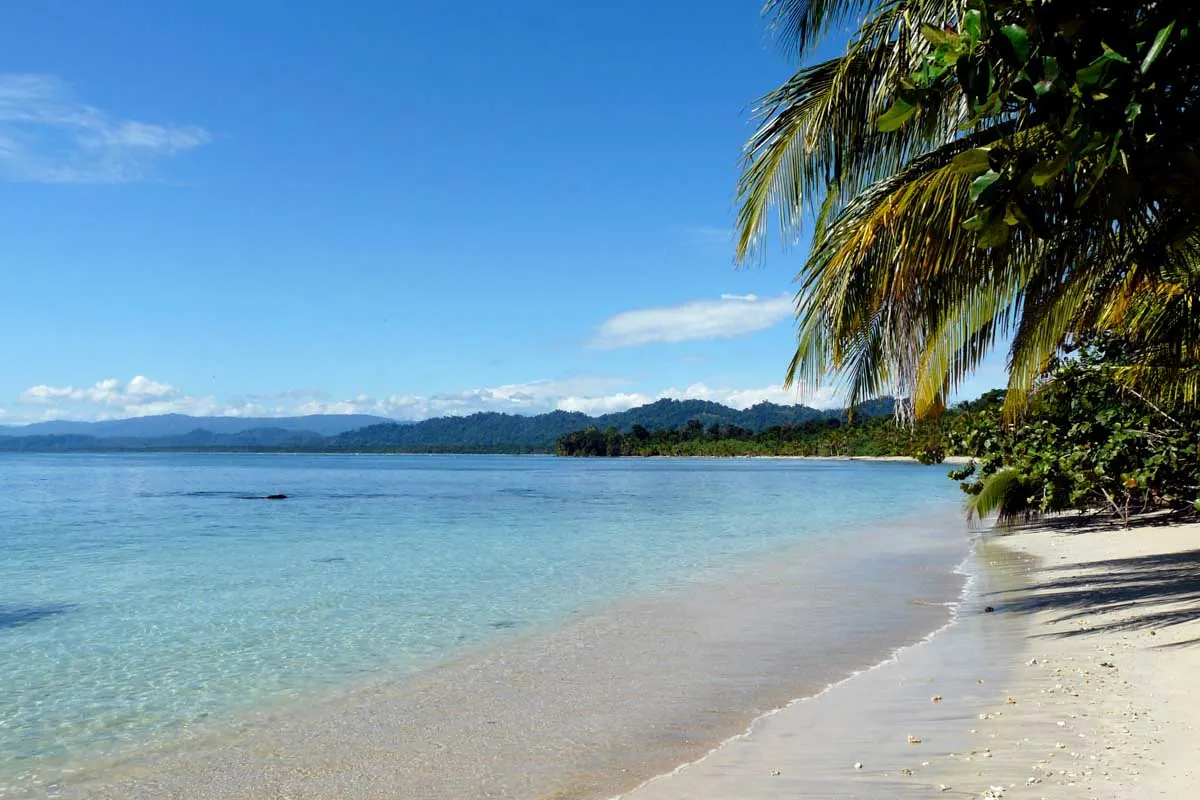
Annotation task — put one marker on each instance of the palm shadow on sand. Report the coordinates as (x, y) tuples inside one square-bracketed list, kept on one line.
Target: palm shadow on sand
[(1152, 592)]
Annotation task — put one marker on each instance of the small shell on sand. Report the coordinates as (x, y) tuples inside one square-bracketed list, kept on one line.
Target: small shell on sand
[(913, 739), (937, 698), (858, 765)]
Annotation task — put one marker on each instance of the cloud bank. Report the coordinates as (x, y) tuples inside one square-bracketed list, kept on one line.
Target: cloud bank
[(47, 136), (141, 396)]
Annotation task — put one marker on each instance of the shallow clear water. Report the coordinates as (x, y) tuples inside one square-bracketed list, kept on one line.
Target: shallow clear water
[(140, 594)]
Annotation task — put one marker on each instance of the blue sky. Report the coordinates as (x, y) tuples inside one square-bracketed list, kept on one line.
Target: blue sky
[(399, 208)]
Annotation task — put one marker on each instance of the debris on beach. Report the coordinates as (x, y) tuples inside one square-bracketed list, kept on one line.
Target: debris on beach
[(937, 698), (858, 765), (913, 739)]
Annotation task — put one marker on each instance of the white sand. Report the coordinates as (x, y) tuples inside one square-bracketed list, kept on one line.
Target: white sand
[(951, 460), (1076, 687)]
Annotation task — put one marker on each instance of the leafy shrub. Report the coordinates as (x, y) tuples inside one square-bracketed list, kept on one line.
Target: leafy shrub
[(1087, 444)]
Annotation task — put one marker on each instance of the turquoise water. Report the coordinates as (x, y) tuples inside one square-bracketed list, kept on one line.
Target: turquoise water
[(142, 594)]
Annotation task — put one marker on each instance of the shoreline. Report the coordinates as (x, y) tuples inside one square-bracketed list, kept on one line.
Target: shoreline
[(686, 670), (1093, 637), (952, 460)]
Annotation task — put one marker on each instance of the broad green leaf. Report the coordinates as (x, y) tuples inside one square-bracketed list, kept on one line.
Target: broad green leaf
[(972, 162), (1018, 37), (938, 37), (1050, 68), (948, 55), (1092, 73), (929, 73), (1156, 48), (1113, 55), (1045, 172), (994, 234), (973, 25), (982, 184), (900, 112)]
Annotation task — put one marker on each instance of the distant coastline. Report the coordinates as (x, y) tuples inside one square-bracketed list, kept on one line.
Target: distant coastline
[(476, 434)]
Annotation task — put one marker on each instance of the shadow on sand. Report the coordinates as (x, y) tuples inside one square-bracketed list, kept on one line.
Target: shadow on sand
[(1151, 592)]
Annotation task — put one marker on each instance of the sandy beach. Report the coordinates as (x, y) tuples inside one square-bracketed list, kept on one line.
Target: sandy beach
[(1063, 673), (588, 708), (1075, 685)]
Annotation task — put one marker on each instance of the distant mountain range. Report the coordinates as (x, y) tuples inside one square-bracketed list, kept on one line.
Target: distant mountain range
[(477, 433), (180, 424)]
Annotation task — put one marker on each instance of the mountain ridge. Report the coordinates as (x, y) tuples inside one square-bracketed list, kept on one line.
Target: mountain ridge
[(157, 425), (482, 432)]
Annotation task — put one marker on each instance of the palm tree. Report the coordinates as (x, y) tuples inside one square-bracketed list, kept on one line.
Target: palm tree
[(953, 205)]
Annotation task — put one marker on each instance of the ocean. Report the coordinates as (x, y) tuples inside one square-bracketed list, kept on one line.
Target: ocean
[(157, 617)]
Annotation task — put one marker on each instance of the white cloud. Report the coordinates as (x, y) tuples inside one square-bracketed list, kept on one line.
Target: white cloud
[(140, 390), (745, 398), (47, 136), (142, 396), (109, 399), (730, 316), (604, 404), (826, 397)]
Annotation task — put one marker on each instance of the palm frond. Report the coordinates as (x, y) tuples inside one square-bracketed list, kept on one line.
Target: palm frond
[(799, 24), (1005, 495), (817, 143)]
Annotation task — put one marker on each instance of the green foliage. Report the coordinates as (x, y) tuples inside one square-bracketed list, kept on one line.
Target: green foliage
[(985, 171), (1087, 444), (1104, 84), (867, 436)]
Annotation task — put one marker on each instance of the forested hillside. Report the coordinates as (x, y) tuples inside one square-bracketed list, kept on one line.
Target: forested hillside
[(477, 433)]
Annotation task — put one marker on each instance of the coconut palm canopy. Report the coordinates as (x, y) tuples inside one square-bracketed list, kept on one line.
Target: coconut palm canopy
[(976, 171)]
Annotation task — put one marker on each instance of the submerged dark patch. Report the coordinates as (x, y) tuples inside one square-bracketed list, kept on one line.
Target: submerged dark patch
[(17, 616), (504, 624)]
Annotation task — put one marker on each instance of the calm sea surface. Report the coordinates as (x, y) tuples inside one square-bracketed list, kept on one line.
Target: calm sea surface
[(144, 594)]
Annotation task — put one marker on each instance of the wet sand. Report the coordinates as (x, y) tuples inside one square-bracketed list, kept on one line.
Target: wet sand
[(593, 707), (1075, 686)]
